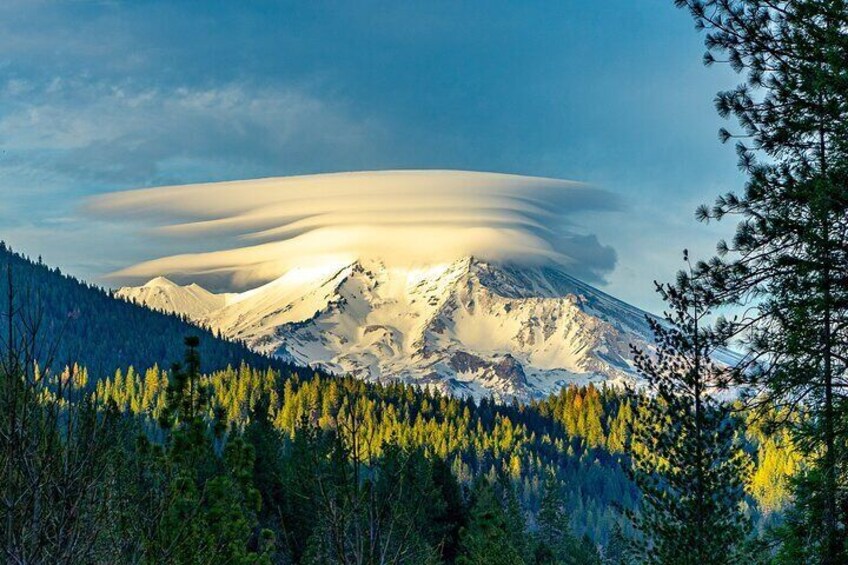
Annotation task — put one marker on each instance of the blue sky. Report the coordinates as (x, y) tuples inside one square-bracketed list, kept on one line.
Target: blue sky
[(102, 96)]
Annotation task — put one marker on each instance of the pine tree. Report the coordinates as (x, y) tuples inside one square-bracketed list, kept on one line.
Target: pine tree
[(616, 551), (787, 262), (555, 544), (455, 515), (487, 540), (58, 445), (689, 466), (515, 521), (194, 505)]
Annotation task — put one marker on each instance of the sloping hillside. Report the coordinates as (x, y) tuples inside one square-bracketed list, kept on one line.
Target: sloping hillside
[(81, 323)]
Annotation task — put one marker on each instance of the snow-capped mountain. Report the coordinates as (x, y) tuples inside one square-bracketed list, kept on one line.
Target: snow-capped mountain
[(469, 327), (162, 294)]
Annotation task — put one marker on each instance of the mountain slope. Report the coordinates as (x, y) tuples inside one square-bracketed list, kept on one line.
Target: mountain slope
[(80, 323), (467, 327), (192, 301)]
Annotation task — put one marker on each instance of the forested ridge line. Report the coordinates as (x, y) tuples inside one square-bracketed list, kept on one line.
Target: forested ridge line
[(85, 324)]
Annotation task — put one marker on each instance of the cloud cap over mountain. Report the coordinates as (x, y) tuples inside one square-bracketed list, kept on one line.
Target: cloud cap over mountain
[(242, 233)]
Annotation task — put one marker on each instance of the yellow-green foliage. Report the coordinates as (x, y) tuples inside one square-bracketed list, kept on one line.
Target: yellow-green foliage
[(474, 439), (777, 461), (579, 422)]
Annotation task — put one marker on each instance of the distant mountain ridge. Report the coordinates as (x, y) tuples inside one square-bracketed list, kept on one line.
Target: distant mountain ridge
[(469, 327), (83, 324)]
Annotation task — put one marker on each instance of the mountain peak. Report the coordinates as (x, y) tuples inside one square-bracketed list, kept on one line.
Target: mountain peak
[(469, 327), (164, 294), (160, 282)]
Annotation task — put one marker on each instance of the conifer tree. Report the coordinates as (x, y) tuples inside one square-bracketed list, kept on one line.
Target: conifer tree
[(689, 467), (57, 444), (616, 551), (196, 506), (555, 543), (487, 540), (455, 514), (786, 265)]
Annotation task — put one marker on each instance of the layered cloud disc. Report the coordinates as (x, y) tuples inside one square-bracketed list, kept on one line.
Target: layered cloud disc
[(247, 232)]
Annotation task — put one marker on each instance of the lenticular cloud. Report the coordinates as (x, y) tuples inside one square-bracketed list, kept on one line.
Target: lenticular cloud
[(249, 232)]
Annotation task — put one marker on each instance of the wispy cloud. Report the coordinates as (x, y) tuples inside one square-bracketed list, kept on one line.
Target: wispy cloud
[(129, 134)]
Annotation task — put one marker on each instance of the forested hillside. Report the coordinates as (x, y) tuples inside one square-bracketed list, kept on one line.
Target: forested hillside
[(520, 445), (84, 324), (255, 463), (134, 436)]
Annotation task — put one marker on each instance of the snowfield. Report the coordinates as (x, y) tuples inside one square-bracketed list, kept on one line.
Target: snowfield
[(466, 327)]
